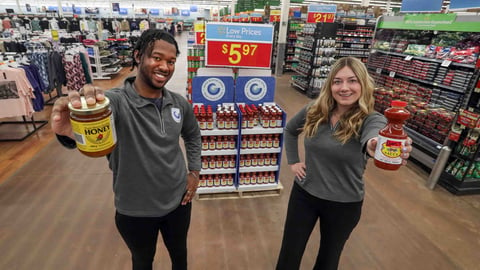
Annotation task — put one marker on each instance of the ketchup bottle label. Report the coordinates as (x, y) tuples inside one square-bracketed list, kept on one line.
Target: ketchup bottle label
[(389, 150)]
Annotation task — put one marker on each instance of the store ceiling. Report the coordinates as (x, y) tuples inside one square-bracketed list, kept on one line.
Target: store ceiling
[(208, 4)]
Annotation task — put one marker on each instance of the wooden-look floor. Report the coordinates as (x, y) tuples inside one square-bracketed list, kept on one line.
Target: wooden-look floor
[(56, 212)]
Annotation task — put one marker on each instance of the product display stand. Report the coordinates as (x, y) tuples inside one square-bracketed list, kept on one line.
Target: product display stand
[(241, 141)]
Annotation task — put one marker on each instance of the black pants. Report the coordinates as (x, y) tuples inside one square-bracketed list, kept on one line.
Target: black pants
[(141, 234), (337, 221)]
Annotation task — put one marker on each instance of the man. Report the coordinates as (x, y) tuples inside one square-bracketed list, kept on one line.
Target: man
[(153, 191)]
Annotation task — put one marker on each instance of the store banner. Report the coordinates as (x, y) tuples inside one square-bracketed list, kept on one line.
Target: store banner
[(238, 45), (439, 22), (193, 8), (77, 10), (185, 12), (212, 90), (321, 13), (421, 6), (154, 11), (254, 90), (123, 11), (464, 4)]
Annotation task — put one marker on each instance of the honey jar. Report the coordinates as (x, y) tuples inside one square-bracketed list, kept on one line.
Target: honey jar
[(93, 127)]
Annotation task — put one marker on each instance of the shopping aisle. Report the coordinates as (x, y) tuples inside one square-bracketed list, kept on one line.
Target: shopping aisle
[(56, 212)]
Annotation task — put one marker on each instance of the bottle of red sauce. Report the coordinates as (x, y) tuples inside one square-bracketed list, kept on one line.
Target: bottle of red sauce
[(392, 137)]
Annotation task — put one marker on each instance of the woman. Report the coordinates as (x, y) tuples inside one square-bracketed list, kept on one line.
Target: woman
[(340, 129)]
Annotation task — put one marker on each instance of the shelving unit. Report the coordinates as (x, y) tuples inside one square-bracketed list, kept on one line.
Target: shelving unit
[(295, 27), (104, 65), (438, 76), (260, 150), (314, 51), (354, 39), (219, 155)]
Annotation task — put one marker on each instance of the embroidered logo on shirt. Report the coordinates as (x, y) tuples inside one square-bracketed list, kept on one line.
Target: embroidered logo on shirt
[(176, 115)]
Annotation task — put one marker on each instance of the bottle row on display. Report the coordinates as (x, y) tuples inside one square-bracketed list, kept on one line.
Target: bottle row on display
[(436, 71)]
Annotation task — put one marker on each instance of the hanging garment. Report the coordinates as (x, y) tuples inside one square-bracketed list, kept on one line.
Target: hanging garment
[(40, 59), (38, 102), (74, 26), (16, 93), (74, 72), (36, 25)]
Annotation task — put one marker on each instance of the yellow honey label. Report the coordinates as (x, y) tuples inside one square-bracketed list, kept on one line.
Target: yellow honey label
[(94, 136)]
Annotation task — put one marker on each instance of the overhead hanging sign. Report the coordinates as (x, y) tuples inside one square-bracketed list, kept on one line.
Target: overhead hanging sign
[(238, 45), (439, 22), (421, 6), (321, 13), (464, 4)]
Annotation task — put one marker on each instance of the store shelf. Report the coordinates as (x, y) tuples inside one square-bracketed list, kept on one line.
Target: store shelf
[(440, 61), (260, 151), (226, 152), (258, 169), (259, 187), (217, 171), (208, 190), (261, 130), (216, 132)]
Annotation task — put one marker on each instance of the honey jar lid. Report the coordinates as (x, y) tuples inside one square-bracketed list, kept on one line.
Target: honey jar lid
[(89, 109)]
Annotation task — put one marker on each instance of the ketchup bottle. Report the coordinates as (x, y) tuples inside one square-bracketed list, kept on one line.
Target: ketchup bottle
[(392, 137)]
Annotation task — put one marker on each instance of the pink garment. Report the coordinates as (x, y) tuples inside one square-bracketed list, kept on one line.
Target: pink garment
[(15, 80)]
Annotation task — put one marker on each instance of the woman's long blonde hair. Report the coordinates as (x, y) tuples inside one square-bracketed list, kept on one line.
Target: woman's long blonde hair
[(351, 121)]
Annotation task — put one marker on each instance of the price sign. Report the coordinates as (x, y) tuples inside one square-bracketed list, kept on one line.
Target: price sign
[(199, 37), (239, 54), (238, 45), (446, 63), (321, 17), (321, 13), (275, 15), (199, 28)]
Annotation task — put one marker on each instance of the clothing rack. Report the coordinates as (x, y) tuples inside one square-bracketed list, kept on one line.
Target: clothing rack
[(36, 124)]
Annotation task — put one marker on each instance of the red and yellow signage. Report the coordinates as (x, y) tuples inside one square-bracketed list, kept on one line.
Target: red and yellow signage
[(275, 15), (321, 13), (238, 45)]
